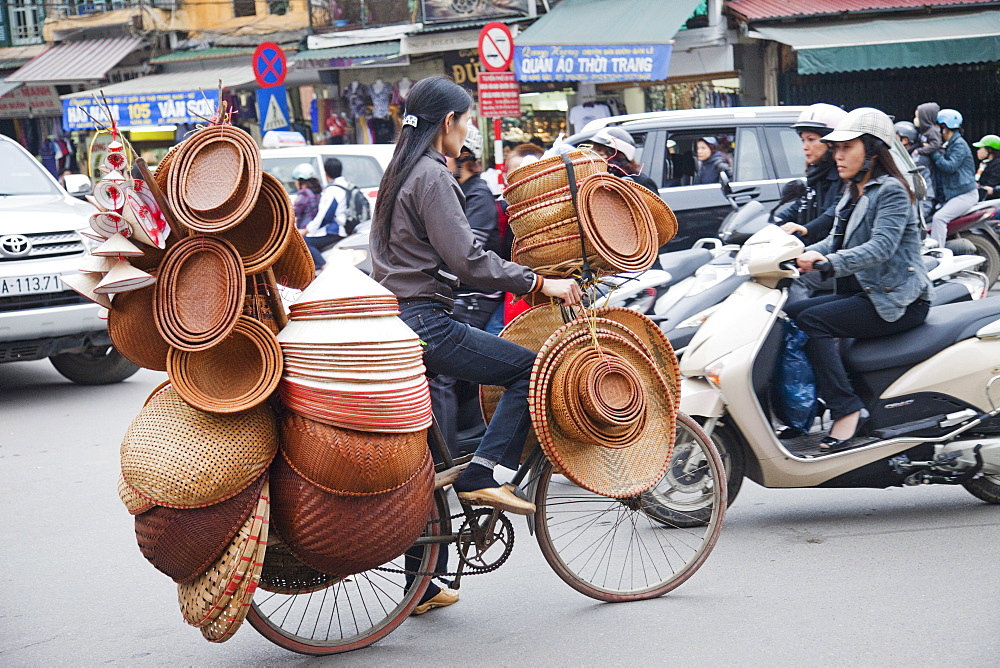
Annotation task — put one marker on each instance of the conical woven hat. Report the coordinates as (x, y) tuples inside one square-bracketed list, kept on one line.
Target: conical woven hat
[(122, 278), (155, 225), (347, 331), (117, 246), (107, 223), (109, 195), (341, 280), (97, 264), (84, 284)]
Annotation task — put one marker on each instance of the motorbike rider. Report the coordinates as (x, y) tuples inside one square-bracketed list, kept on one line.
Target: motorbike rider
[(811, 215), (874, 252), (909, 137), (988, 174), (618, 147), (954, 174), (308, 195)]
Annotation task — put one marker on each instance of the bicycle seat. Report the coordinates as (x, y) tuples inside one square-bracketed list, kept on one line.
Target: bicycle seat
[(945, 325)]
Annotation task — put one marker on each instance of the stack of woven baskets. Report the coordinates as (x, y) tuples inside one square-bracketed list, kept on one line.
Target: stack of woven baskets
[(617, 224), (353, 486)]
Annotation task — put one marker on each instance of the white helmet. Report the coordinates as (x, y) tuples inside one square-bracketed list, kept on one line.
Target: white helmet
[(474, 141), (616, 138), (303, 171), (820, 118), (864, 121)]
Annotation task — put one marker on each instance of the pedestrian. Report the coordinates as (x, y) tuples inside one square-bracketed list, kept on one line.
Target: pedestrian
[(988, 174), (308, 195), (874, 248), (617, 146), (954, 173), (909, 137), (327, 226), (711, 162)]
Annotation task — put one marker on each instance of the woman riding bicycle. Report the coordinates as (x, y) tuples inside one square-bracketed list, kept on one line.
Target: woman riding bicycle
[(874, 251)]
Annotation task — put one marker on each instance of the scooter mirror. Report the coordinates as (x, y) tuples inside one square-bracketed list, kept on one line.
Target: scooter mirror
[(727, 190), (792, 190)]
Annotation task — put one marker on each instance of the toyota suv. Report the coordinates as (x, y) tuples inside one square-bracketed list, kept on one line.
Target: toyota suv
[(759, 143), (39, 242)]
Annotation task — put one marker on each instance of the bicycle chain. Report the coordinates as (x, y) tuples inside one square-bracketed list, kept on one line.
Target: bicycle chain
[(472, 570)]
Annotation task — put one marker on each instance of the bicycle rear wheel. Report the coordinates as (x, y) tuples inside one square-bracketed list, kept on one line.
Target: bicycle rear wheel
[(350, 614), (610, 549)]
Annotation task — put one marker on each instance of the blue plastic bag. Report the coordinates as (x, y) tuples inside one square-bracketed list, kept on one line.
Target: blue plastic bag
[(795, 387)]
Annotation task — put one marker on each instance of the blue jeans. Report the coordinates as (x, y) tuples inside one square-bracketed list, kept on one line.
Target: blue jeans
[(454, 349)]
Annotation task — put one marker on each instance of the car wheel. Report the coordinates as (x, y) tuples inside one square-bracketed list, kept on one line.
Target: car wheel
[(101, 365)]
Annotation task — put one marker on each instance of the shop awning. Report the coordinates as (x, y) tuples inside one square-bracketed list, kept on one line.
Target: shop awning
[(207, 79), (12, 57), (73, 62), (352, 55), (8, 86), (605, 22), (891, 43)]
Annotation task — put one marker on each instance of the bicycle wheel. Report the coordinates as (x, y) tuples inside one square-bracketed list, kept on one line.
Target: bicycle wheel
[(610, 549), (352, 613)]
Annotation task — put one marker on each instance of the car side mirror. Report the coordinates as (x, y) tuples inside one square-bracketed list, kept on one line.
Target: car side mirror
[(77, 184)]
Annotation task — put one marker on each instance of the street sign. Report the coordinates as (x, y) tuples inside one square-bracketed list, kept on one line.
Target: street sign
[(272, 108), (499, 95), (496, 47), (269, 65)]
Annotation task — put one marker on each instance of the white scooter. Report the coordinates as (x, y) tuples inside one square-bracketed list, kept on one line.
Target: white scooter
[(932, 392)]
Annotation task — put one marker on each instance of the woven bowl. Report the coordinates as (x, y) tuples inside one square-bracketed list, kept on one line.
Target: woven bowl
[(295, 268), (544, 176), (341, 461), (199, 292), (128, 325), (134, 503), (183, 543), (617, 223), (663, 216), (344, 535), (176, 456), (644, 333), (283, 573), (264, 234), (236, 374), (211, 174)]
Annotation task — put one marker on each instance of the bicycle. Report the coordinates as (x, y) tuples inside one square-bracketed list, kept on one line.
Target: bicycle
[(610, 549)]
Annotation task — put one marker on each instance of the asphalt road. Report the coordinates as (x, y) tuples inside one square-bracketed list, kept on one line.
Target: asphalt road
[(819, 577)]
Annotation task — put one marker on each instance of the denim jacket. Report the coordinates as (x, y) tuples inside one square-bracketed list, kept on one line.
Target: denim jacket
[(954, 169), (882, 248)]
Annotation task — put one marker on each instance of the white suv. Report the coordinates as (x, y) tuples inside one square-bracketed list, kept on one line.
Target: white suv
[(39, 241)]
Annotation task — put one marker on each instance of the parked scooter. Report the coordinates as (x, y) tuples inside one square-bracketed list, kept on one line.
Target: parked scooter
[(975, 233), (932, 392)]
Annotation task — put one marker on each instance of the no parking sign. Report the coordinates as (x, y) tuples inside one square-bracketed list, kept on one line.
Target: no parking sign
[(269, 65)]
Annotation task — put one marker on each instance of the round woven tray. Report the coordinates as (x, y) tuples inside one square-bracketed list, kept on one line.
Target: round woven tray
[(128, 325), (663, 215), (342, 461), (344, 535), (199, 292), (649, 337), (548, 175), (183, 543), (617, 223), (283, 573), (264, 234), (295, 267), (236, 374), (177, 456)]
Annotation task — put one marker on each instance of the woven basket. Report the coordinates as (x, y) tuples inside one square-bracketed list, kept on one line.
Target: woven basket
[(128, 325), (544, 176), (134, 503), (663, 216), (183, 543), (199, 292), (230, 619), (204, 599), (295, 267), (162, 172), (236, 374), (541, 215), (617, 223), (177, 456), (341, 461), (283, 573), (264, 234), (344, 535)]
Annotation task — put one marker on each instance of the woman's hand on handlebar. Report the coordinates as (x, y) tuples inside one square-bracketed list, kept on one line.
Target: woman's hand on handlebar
[(808, 259), (794, 228), (564, 289)]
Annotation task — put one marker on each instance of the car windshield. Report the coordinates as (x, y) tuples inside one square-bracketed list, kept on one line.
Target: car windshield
[(361, 170), (22, 175)]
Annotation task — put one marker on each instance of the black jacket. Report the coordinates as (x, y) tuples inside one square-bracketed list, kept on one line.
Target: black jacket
[(990, 177), (815, 209), (711, 168)]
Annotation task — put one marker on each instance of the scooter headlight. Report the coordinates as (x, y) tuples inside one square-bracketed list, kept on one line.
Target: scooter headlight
[(698, 319), (713, 372)]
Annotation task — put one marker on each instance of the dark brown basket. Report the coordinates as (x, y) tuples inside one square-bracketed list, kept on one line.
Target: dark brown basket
[(263, 235), (342, 461), (183, 543), (344, 535), (128, 324), (283, 573)]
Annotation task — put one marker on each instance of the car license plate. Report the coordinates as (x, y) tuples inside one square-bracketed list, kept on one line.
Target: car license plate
[(29, 285)]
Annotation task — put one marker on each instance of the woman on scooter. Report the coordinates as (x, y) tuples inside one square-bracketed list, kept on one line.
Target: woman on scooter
[(874, 252), (420, 240), (988, 174)]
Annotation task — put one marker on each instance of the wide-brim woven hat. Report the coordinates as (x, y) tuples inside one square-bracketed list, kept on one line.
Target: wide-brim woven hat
[(344, 461), (265, 233), (177, 456), (129, 326), (200, 292), (346, 534), (644, 333), (220, 597), (237, 373), (602, 411), (183, 543)]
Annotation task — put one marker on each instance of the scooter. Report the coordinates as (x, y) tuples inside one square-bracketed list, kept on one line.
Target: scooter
[(932, 393), (975, 233)]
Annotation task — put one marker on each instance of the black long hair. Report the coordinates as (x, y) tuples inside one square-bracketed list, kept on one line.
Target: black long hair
[(430, 101), (878, 161)]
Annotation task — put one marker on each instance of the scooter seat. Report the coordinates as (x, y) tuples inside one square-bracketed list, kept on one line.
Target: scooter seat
[(945, 325), (682, 264)]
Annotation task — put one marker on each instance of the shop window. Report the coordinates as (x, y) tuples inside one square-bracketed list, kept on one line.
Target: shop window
[(244, 8), (279, 7), (681, 164), (26, 18), (786, 149)]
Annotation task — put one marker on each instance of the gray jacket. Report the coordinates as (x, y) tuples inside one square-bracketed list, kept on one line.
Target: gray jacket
[(882, 248)]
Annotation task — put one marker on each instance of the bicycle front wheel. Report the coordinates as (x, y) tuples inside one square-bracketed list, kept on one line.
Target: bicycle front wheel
[(353, 612), (610, 549)]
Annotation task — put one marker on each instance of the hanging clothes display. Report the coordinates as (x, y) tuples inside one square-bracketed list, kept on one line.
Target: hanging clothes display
[(694, 95), (381, 94)]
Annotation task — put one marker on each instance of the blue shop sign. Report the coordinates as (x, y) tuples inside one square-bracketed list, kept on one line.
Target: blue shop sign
[(141, 110), (592, 64)]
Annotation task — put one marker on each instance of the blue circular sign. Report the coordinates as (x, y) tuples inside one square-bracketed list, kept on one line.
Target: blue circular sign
[(269, 65)]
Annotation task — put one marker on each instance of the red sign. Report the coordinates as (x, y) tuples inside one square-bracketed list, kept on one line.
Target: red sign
[(269, 65), (496, 47), (499, 95)]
